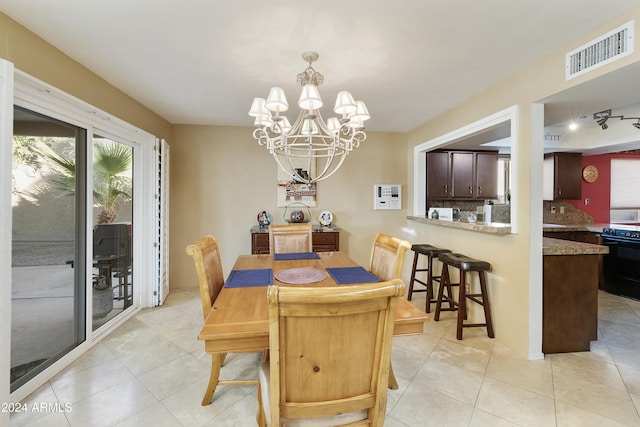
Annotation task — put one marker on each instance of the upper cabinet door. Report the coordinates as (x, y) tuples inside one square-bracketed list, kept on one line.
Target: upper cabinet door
[(486, 176), (562, 176), (462, 173), (438, 185)]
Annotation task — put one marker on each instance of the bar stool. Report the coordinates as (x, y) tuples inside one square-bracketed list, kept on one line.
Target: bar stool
[(466, 265), (430, 252)]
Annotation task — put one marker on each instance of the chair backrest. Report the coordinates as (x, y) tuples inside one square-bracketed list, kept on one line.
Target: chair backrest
[(387, 256), (290, 238), (206, 257), (330, 351)]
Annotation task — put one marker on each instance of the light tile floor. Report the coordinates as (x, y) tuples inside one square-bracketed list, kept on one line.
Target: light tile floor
[(153, 371)]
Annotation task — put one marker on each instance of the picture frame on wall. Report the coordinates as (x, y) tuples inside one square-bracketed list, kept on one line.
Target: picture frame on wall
[(290, 190)]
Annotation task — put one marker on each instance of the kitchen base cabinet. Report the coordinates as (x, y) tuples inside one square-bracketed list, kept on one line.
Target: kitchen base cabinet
[(581, 236), (570, 303)]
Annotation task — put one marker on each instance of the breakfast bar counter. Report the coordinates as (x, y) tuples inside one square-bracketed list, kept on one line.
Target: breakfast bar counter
[(497, 228), (570, 295)]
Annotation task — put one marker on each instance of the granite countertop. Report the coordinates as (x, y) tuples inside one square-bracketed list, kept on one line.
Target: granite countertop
[(568, 247), (594, 228), (497, 228)]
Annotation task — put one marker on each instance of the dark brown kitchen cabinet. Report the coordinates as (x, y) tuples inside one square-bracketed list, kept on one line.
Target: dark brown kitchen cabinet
[(438, 174), (581, 236), (462, 175), (562, 179), (569, 302), (486, 175)]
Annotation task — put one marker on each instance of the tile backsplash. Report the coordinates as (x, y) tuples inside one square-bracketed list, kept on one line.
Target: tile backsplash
[(565, 214), (499, 213)]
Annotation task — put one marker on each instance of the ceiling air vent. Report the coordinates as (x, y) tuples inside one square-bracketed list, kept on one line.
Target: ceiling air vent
[(603, 50)]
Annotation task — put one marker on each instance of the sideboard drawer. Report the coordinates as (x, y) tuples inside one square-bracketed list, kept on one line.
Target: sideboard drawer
[(260, 243), (325, 241)]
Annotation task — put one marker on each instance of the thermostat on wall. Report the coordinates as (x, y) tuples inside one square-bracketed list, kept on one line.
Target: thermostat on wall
[(387, 196)]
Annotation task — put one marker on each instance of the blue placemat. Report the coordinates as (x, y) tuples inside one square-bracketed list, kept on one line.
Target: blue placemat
[(299, 255), (248, 278), (349, 275)]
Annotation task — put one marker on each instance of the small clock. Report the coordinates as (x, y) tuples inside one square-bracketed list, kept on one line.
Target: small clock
[(590, 173)]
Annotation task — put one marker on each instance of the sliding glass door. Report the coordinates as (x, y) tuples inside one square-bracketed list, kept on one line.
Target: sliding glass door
[(48, 242), (112, 224), (82, 190)]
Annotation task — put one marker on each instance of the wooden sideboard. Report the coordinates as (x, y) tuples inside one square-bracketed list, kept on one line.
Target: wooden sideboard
[(324, 239)]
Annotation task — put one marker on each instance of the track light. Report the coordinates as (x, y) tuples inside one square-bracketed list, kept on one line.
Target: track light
[(603, 122), (602, 117)]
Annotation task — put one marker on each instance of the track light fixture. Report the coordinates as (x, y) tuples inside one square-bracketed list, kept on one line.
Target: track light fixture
[(602, 117)]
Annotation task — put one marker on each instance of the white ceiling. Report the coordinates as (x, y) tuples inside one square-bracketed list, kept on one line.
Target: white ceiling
[(202, 61)]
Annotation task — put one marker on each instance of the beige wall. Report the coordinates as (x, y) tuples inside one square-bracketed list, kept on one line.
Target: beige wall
[(509, 282), (221, 179), (34, 56)]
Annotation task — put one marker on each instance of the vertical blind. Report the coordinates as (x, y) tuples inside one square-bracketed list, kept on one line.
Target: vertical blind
[(625, 183)]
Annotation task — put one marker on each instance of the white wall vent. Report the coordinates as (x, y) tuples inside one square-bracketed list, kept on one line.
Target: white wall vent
[(610, 47)]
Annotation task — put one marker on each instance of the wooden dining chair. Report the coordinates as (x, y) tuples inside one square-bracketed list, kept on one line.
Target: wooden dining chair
[(290, 238), (387, 256), (206, 257), (387, 262), (330, 349)]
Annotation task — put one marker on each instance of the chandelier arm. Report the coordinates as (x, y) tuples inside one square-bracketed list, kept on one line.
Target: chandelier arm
[(335, 169), (291, 173)]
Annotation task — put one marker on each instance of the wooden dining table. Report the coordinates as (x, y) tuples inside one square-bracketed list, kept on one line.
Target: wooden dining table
[(239, 318)]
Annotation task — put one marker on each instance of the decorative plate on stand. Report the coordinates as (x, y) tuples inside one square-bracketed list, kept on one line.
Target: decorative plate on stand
[(326, 218)]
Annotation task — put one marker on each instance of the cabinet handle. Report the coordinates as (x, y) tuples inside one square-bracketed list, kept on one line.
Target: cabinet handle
[(446, 189), (479, 189), (559, 191), (470, 190)]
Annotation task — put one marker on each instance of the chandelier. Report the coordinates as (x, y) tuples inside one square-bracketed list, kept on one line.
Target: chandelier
[(311, 149)]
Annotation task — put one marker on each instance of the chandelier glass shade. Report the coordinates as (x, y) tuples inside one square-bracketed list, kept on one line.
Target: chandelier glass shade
[(309, 146)]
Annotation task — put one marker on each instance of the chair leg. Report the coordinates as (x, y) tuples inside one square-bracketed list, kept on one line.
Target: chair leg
[(216, 363), (444, 282), (462, 304), (260, 419), (429, 284), (413, 275), (393, 383), (485, 304)]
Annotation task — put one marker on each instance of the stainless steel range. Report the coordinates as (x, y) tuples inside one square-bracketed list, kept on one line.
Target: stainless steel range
[(622, 264)]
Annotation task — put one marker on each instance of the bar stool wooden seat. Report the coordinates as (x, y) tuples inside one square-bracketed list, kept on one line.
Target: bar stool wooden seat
[(466, 265), (430, 252)]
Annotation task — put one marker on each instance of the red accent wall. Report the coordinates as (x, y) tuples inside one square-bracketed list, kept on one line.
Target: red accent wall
[(598, 192)]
